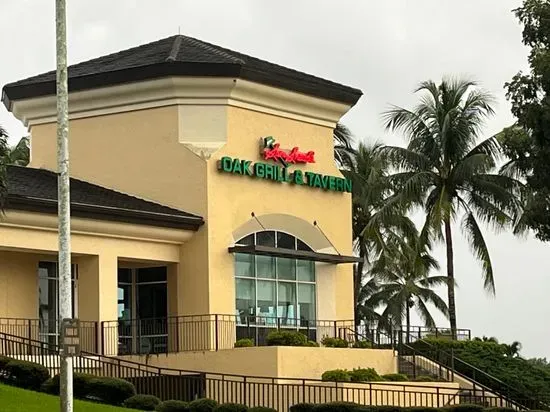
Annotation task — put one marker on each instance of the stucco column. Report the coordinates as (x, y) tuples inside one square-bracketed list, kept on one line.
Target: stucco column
[(97, 297)]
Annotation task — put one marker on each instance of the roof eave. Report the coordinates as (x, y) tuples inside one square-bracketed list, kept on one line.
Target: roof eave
[(335, 92), (49, 206)]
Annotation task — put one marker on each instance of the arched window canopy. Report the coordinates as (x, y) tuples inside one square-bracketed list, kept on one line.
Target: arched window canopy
[(299, 253)]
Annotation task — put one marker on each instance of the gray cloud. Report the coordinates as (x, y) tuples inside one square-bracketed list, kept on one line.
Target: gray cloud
[(383, 47)]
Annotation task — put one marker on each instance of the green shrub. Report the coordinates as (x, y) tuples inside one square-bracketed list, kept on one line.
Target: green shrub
[(338, 407), (263, 409), (231, 407), (336, 375), (395, 377), (142, 402), (334, 342), (424, 378), (202, 405), (244, 343), (113, 391), (27, 375), (173, 406), (302, 407), (500, 410), (464, 408), (81, 385), (385, 408), (312, 343), (286, 338), (365, 375), (421, 409), (362, 344), (4, 360)]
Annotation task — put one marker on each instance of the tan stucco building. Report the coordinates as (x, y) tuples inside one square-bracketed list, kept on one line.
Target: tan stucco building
[(206, 203)]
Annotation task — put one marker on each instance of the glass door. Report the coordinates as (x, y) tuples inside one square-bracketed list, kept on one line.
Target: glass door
[(48, 301)]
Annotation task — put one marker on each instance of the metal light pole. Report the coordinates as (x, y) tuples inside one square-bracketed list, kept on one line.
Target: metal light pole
[(65, 286)]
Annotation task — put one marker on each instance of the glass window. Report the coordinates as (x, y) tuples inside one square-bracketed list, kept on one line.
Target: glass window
[(305, 270), (286, 268), (157, 274), (124, 302), (268, 288), (286, 241), (246, 297), (244, 265), (306, 301)]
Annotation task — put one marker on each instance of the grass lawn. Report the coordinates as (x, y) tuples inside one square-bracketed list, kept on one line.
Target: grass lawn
[(19, 400)]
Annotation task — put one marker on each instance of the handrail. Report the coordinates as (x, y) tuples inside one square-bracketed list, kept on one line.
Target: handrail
[(437, 359)]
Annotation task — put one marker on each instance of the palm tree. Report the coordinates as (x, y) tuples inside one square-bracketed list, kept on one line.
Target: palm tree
[(445, 170), (343, 146), (369, 170), (405, 283), (512, 350), (19, 154), (3, 150)]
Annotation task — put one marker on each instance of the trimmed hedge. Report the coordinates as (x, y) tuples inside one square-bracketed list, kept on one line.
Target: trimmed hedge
[(362, 344), (244, 343), (302, 407), (395, 377), (173, 406), (334, 342), (113, 391), (286, 338), (203, 405), (261, 409), (365, 375), (142, 402), (338, 407), (231, 407), (27, 375), (336, 375), (4, 360)]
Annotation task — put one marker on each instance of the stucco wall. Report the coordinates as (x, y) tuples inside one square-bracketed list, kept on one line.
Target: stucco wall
[(276, 361), (18, 285)]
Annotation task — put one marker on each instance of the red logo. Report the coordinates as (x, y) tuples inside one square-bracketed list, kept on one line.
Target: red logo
[(272, 150)]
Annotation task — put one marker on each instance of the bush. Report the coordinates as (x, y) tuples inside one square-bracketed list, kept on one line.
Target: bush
[(244, 343), (334, 342), (142, 402), (312, 343), (362, 344), (173, 406), (395, 377), (424, 378), (336, 375), (263, 409), (81, 385), (27, 375), (500, 409), (286, 338), (231, 407), (302, 407), (202, 405), (464, 408), (365, 375), (338, 407), (4, 360), (113, 391)]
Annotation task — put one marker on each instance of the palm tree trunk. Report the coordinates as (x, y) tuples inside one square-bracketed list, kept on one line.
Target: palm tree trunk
[(408, 322), (450, 277), (357, 281)]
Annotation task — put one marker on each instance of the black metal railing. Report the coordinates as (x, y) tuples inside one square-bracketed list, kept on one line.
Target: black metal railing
[(205, 332), (275, 392), (47, 330)]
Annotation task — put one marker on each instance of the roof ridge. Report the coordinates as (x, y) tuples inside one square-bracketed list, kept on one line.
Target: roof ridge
[(175, 49), (221, 51)]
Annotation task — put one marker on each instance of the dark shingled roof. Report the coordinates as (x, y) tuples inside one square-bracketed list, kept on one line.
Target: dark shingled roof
[(36, 190), (179, 56)]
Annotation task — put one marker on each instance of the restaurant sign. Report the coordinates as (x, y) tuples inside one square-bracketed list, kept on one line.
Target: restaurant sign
[(270, 150)]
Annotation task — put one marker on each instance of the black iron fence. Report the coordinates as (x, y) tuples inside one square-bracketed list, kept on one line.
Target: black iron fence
[(277, 393), (47, 330)]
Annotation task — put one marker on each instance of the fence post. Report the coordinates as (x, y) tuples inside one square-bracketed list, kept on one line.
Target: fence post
[(102, 337), (30, 337), (453, 365), (216, 332), (335, 331)]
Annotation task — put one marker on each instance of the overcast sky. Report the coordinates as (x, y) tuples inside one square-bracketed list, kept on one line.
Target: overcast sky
[(382, 47)]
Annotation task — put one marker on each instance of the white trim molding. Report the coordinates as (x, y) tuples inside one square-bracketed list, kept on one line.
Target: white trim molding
[(194, 91)]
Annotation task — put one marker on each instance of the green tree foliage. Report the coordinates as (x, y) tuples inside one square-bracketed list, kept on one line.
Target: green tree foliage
[(527, 143), (4, 148), (450, 173), (405, 283), (19, 154)]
